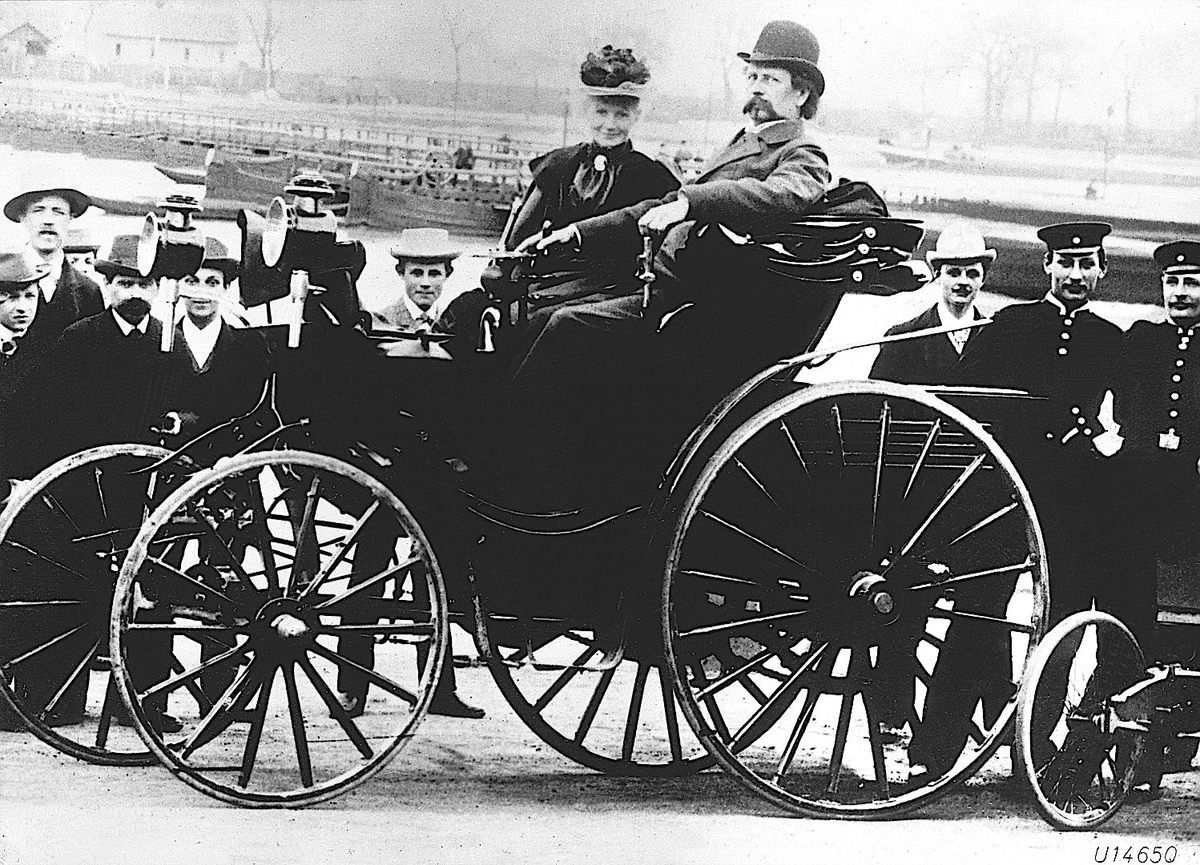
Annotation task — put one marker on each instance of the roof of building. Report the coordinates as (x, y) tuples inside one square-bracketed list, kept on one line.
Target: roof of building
[(167, 25), (26, 32)]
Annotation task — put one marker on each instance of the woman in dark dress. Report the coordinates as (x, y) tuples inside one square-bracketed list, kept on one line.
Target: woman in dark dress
[(594, 177)]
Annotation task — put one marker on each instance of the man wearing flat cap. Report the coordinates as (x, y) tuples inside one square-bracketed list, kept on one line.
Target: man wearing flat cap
[(769, 173), (960, 262), (67, 295)]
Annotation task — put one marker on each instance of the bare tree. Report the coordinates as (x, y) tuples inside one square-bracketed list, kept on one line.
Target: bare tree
[(1001, 49), (265, 28)]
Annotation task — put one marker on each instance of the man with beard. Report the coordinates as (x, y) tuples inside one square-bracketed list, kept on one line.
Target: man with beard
[(108, 375), (960, 262), (571, 393), (67, 295)]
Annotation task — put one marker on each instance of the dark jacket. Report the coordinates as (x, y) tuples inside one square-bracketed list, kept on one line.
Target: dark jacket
[(1157, 392), (1070, 359), (752, 185), (925, 360), (230, 383), (76, 297)]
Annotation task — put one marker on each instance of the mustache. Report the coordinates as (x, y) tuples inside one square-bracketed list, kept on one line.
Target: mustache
[(761, 105), (133, 307)]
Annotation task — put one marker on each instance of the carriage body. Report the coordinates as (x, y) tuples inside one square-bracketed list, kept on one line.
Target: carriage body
[(807, 573)]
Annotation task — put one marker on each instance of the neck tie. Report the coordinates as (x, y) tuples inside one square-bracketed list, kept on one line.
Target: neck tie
[(8, 347)]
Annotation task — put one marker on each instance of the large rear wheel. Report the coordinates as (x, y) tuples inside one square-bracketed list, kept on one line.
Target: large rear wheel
[(853, 586), (277, 659)]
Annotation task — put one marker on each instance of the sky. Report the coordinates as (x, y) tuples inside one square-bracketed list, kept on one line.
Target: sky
[(920, 54)]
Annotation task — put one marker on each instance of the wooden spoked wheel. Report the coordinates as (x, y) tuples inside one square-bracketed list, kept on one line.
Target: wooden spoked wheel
[(278, 659), (1074, 752), (63, 537), (619, 716), (853, 586)]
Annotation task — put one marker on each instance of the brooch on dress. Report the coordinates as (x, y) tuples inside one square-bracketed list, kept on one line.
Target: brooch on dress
[(600, 162)]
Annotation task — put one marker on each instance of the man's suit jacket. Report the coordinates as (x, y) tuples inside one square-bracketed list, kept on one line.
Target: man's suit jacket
[(925, 360), (76, 297), (1069, 358), (103, 387), (753, 184), (229, 385)]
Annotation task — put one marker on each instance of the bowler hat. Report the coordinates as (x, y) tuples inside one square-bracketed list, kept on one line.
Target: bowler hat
[(216, 256), (120, 259), (1074, 236), (791, 46), (17, 205), (1178, 256), (18, 267), (962, 243), (425, 244)]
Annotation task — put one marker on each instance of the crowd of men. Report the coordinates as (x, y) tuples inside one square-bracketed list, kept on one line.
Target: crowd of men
[(75, 372)]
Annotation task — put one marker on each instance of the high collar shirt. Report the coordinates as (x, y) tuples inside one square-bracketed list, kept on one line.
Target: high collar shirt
[(1067, 313), (127, 328), (426, 317), (49, 282), (958, 338), (201, 340)]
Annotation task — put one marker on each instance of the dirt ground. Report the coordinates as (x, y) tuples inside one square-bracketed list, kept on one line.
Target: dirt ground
[(490, 791)]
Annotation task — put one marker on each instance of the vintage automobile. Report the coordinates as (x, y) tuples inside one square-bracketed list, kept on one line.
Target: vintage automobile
[(791, 585)]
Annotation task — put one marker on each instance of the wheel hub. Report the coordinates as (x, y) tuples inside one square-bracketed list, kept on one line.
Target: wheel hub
[(289, 627), (872, 594)]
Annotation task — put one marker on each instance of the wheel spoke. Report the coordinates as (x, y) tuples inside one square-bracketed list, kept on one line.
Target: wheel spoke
[(1002, 570), (183, 677), (793, 742), (740, 623), (926, 446), (593, 705), (337, 557), (263, 531), (198, 631), (370, 582), (885, 419), (754, 727), (672, 719), (381, 681), (211, 530), (965, 616), (839, 738), (62, 603), (46, 645), (982, 524), (250, 754), (414, 629), (75, 674), (335, 708), (202, 700), (564, 678), (958, 484), (51, 501), (835, 417), (108, 711), (734, 675), (52, 562), (873, 732), (727, 524), (635, 710), (795, 448), (96, 473), (306, 527), (299, 735), (741, 465), (208, 590), (221, 715)]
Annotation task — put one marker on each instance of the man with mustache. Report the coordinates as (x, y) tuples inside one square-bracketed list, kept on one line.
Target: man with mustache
[(573, 385), (67, 295)]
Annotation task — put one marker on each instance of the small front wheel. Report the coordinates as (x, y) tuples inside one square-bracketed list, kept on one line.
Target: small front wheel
[(1078, 758)]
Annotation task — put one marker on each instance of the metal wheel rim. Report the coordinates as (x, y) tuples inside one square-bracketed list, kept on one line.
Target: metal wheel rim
[(431, 667), (710, 737)]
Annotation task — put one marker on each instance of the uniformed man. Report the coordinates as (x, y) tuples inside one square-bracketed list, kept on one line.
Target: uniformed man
[(67, 294), (960, 262), (1057, 349)]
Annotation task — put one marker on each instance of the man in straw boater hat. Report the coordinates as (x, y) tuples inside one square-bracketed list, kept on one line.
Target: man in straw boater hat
[(67, 294), (770, 173), (1058, 349), (960, 263)]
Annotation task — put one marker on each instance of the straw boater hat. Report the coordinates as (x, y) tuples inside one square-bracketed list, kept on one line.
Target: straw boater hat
[(959, 243), (17, 267), (17, 205), (120, 259), (791, 46), (425, 244), (613, 72)]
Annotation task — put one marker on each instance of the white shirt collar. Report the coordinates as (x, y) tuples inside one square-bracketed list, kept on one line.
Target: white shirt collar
[(49, 282), (201, 340), (1062, 307), (757, 128), (6, 334), (416, 312), (958, 338), (126, 327)]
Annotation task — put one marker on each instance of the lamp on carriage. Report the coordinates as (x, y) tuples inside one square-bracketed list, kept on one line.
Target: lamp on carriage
[(170, 248)]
